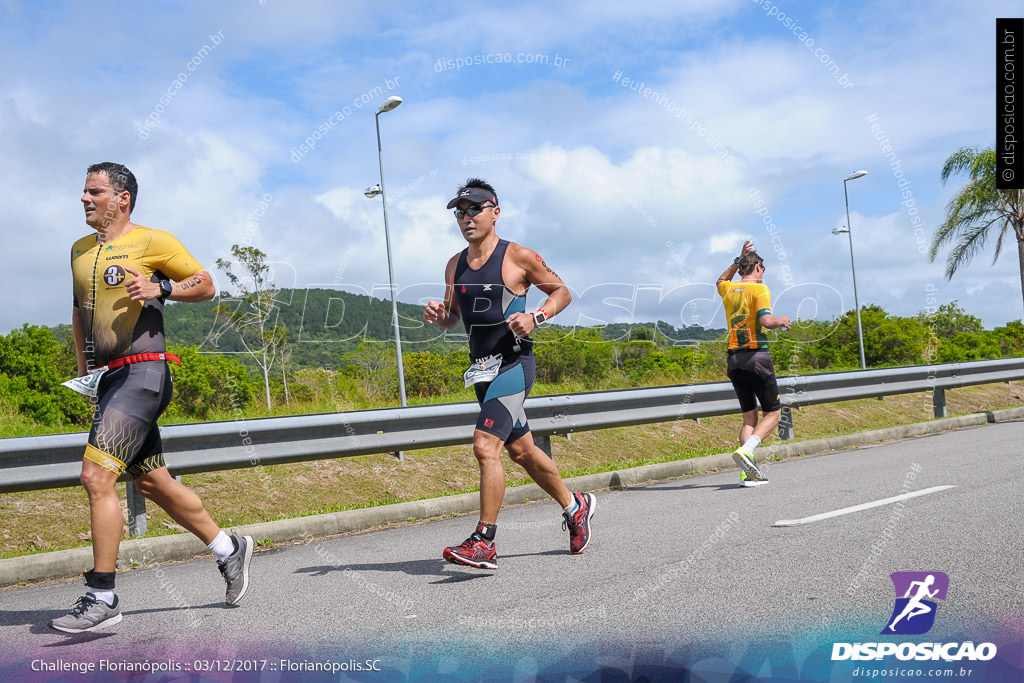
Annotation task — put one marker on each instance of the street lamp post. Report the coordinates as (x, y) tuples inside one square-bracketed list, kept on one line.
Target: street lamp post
[(387, 105), (853, 268)]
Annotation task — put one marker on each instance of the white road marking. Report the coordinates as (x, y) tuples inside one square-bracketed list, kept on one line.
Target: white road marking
[(862, 506)]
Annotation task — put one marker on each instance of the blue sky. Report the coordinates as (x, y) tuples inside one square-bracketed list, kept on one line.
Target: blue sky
[(639, 201)]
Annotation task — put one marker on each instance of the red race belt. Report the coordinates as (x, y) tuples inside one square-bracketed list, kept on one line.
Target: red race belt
[(141, 357)]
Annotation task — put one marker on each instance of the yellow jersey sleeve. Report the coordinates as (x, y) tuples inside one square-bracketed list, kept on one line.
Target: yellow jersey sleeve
[(723, 287), (167, 255), (762, 301)]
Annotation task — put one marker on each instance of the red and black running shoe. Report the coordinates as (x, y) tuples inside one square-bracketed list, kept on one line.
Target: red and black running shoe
[(474, 552), (578, 523)]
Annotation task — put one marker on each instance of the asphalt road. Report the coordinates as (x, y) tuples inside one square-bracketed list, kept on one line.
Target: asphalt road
[(683, 575)]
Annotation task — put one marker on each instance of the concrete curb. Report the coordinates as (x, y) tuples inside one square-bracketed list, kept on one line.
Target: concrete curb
[(153, 551)]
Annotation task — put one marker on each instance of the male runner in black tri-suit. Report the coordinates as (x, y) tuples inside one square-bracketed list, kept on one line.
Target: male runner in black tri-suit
[(486, 287)]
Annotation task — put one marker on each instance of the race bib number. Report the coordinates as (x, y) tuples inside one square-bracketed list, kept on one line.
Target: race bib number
[(483, 370), (87, 385)]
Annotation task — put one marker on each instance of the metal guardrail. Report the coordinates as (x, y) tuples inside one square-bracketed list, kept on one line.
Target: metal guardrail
[(42, 462)]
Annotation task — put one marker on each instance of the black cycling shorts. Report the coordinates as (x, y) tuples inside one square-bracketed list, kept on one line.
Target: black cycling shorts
[(124, 436), (501, 400), (753, 375)]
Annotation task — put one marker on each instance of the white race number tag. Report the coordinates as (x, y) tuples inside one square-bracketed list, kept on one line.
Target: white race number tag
[(483, 370), (86, 384)]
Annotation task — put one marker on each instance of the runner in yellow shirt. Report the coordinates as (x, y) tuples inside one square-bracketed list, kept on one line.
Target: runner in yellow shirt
[(122, 274), (748, 310)]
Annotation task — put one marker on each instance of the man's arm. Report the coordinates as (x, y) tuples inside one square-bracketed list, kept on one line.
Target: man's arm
[(729, 273), (445, 314), (538, 273), (193, 289), (167, 255), (78, 332), (773, 322)]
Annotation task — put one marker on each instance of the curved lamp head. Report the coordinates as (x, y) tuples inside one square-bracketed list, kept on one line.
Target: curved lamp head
[(855, 175), (840, 231), (392, 102), (372, 191)]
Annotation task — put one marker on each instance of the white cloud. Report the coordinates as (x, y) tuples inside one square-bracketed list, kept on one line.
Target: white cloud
[(726, 243)]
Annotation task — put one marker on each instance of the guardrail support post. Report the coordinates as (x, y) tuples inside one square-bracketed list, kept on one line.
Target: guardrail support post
[(544, 443), (137, 524), (939, 402), (786, 424)]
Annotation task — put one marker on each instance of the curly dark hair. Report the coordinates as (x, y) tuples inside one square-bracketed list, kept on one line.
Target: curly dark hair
[(748, 261), (479, 183), (120, 178)]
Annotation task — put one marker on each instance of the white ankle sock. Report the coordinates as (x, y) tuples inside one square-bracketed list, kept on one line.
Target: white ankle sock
[(222, 546), (752, 443), (572, 508), (105, 596)]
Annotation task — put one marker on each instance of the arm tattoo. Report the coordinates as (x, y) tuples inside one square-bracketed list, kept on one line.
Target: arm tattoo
[(189, 284), (546, 266)]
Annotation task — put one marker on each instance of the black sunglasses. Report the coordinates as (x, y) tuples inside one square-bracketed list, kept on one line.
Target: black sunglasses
[(471, 210)]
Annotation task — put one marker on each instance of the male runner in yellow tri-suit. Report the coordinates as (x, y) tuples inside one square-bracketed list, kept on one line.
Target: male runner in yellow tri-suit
[(748, 310), (122, 274)]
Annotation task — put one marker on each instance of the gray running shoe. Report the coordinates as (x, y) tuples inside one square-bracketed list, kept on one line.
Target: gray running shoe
[(88, 614), (235, 569)]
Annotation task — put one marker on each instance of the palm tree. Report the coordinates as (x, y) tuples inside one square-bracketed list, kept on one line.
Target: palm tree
[(976, 209)]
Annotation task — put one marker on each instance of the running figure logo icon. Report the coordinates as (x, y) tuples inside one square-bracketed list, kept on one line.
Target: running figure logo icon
[(914, 612)]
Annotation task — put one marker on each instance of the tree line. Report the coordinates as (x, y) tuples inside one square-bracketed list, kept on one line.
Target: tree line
[(211, 384)]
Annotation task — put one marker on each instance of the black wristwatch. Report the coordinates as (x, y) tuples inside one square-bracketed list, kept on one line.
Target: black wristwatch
[(165, 289), (736, 261)]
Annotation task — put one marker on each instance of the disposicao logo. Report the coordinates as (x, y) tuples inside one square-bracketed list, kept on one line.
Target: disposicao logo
[(914, 614)]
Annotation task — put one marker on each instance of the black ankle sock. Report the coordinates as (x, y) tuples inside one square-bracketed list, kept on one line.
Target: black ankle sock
[(101, 581), (486, 531)]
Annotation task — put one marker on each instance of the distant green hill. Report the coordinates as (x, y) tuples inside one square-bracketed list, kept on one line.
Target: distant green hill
[(667, 334), (322, 324)]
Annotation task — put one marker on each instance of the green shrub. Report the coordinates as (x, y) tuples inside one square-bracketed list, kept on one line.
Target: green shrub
[(32, 366), (208, 382), (433, 374)]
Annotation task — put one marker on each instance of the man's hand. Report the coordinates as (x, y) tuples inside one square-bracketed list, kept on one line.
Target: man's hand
[(434, 312), (521, 324), (730, 272), (141, 289)]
